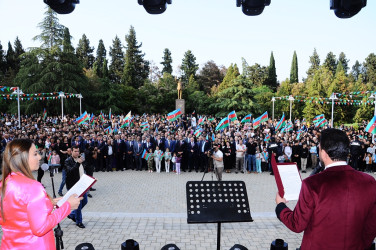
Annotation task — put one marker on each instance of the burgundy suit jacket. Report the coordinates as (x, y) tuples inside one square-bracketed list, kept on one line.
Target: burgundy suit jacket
[(336, 210)]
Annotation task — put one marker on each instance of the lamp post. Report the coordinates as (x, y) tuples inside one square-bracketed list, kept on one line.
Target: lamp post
[(291, 99), (18, 92), (273, 101), (333, 97), (61, 95), (80, 97)]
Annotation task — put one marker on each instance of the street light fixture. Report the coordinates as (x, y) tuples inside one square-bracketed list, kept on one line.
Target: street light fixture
[(80, 97), (273, 101), (333, 97), (18, 92), (61, 95)]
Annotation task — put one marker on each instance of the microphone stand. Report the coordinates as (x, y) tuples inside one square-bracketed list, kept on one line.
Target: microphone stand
[(57, 230)]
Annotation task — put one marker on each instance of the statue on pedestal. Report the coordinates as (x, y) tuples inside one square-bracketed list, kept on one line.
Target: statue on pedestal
[(180, 90)]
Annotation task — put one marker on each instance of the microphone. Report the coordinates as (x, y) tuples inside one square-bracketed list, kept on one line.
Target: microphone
[(44, 167)]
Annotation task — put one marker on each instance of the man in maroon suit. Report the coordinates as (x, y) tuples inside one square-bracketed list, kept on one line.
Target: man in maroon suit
[(337, 207)]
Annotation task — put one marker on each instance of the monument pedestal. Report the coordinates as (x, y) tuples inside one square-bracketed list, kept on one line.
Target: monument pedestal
[(180, 104)]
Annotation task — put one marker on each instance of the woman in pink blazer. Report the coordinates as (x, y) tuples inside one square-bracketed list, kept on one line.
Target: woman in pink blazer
[(27, 211)]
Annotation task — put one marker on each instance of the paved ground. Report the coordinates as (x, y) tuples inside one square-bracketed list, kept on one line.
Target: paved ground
[(151, 209)]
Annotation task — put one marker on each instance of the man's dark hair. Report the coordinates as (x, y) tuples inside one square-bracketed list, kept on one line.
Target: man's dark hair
[(335, 143)]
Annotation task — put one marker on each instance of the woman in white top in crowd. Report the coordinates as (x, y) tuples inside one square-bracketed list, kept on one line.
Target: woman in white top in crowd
[(157, 159), (167, 156)]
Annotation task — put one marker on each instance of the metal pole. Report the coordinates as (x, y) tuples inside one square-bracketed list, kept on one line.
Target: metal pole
[(273, 100), (290, 108), (374, 113), (18, 104), (80, 96), (331, 125), (62, 108)]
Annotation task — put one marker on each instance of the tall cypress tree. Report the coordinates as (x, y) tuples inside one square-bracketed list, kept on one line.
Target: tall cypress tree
[(52, 31), (100, 59), (272, 74), (117, 61), (330, 62), (2, 62), (85, 53), (188, 66), (18, 51), (294, 78), (369, 66), (344, 61), (136, 69), (356, 70), (314, 60), (10, 57), (167, 61)]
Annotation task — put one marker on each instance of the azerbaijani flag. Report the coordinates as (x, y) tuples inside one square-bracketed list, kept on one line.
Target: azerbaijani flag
[(174, 115), (260, 119), (49, 157), (371, 127), (246, 118), (82, 118), (267, 137), (321, 123), (289, 126), (211, 119), (225, 122), (318, 118), (144, 154), (213, 137), (198, 132), (109, 115), (201, 120), (44, 114), (144, 124), (281, 122), (299, 133), (107, 130), (232, 116)]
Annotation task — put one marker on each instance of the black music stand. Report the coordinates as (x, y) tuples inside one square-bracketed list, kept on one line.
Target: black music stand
[(217, 202)]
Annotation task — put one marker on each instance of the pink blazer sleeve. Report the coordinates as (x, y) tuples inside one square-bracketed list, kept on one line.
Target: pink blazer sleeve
[(39, 211), (298, 219)]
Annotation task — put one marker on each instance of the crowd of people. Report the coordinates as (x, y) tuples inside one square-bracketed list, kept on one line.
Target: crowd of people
[(153, 143), (164, 145)]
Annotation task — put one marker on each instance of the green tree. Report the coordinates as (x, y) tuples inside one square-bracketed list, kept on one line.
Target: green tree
[(100, 59), (10, 57), (167, 62), (188, 66), (117, 61), (136, 68), (231, 74), (18, 51), (356, 70), (3, 63), (52, 31), (272, 74), (294, 77), (330, 62), (344, 61), (84, 52), (370, 69), (258, 74), (314, 61), (209, 76)]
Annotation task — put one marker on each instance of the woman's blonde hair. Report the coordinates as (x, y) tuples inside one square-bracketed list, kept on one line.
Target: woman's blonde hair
[(15, 159)]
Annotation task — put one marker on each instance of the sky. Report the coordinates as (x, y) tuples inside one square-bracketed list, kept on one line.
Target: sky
[(212, 29)]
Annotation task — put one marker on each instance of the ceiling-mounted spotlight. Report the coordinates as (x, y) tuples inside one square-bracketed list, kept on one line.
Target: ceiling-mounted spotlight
[(252, 7), (62, 6), (154, 6), (347, 8)]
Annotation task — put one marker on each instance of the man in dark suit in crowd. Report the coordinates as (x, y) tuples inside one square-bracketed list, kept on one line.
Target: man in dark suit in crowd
[(170, 144), (192, 149), (204, 147), (138, 149), (118, 147), (180, 148), (337, 207), (129, 153), (100, 144)]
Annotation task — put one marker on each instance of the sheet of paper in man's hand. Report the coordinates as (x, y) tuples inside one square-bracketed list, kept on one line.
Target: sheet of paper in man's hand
[(79, 188), (291, 181)]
